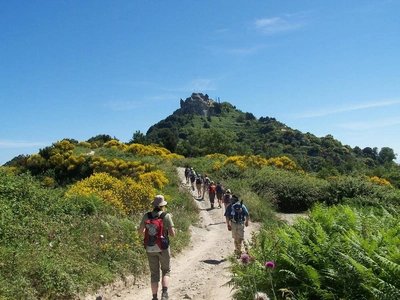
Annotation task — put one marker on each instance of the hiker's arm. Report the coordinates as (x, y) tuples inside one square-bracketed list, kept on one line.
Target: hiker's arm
[(246, 223), (171, 231), (141, 230), (228, 223)]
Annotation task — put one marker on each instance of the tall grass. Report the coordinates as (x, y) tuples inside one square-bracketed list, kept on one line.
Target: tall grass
[(53, 247)]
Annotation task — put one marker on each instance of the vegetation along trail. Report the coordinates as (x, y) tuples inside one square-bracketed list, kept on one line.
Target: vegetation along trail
[(200, 271)]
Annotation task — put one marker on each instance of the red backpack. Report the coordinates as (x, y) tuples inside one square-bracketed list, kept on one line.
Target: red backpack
[(212, 189), (154, 239)]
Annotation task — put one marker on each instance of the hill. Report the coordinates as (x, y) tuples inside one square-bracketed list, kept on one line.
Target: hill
[(204, 126)]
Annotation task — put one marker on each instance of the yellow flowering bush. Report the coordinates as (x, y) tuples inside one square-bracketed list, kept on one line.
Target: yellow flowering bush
[(115, 145), (217, 166), (283, 162), (217, 156), (378, 180), (151, 150), (48, 182), (73, 161), (154, 178), (118, 167), (84, 144), (35, 160), (125, 195), (64, 145)]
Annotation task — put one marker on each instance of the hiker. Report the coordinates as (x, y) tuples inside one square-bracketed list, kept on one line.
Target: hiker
[(211, 193), (187, 174), (237, 217), (160, 259), (206, 183), (220, 193), (192, 178), (227, 198), (199, 185)]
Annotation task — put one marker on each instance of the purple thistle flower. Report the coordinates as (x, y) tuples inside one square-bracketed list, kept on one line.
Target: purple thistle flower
[(245, 258), (269, 265)]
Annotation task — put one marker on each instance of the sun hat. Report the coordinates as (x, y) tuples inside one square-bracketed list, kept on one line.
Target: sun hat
[(159, 201), (228, 191)]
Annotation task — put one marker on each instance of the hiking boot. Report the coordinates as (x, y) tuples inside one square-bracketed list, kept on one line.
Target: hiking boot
[(164, 296)]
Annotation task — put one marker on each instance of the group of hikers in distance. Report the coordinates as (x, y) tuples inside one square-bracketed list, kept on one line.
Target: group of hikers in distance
[(157, 226), (236, 213)]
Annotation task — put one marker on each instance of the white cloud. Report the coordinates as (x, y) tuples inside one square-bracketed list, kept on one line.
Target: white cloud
[(370, 124), (331, 111), (276, 25), (20, 144)]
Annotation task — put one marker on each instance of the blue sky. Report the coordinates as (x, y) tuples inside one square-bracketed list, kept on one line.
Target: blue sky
[(76, 69)]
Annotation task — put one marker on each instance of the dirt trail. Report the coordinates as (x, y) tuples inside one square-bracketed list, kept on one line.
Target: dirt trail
[(200, 271)]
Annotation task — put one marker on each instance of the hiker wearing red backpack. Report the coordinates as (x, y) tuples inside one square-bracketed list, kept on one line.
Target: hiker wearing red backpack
[(157, 226), (211, 193)]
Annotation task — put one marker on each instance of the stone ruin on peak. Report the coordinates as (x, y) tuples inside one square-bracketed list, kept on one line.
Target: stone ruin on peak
[(197, 104)]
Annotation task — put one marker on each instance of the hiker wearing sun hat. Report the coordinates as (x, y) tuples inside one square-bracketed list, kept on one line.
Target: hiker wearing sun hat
[(160, 258), (227, 198)]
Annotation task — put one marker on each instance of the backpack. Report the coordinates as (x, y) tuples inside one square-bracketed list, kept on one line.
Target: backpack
[(154, 239), (212, 189), (227, 198), (219, 188), (237, 212), (198, 180), (207, 181)]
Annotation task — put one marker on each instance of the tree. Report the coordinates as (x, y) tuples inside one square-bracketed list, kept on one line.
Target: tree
[(386, 155), (138, 138), (169, 140)]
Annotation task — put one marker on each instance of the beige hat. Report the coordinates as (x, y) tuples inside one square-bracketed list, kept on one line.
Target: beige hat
[(228, 191), (159, 201)]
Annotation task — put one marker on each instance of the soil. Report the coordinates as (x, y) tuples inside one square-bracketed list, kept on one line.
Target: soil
[(200, 271)]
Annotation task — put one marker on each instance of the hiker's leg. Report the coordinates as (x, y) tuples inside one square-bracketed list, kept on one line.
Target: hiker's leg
[(154, 264), (165, 266), (154, 288), (165, 269), (238, 245)]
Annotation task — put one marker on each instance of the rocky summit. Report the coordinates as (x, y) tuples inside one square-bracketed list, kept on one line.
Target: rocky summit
[(197, 104)]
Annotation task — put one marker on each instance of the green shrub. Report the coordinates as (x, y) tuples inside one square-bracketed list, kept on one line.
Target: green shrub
[(295, 192), (342, 190), (338, 253)]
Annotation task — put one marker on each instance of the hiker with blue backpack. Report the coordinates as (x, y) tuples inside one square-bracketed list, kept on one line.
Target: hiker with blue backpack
[(157, 226), (219, 193), (237, 218)]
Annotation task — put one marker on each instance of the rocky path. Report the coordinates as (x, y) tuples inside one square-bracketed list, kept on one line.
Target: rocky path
[(200, 271)]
